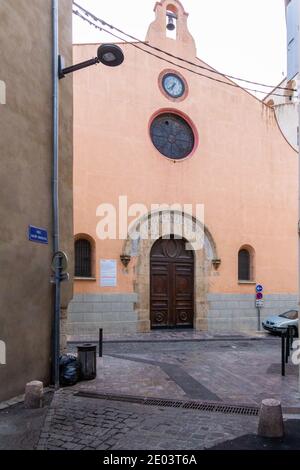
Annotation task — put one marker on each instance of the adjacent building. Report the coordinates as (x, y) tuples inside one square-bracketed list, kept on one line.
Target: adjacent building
[(286, 106), (26, 293), (151, 132)]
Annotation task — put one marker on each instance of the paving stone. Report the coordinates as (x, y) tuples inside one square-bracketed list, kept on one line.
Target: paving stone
[(69, 446), (236, 374), (55, 443), (103, 447), (172, 422)]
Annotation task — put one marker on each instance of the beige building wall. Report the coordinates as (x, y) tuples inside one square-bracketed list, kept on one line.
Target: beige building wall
[(243, 170), (26, 295)]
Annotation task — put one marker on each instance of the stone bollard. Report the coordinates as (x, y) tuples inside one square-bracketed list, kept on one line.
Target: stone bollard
[(270, 419), (34, 394)]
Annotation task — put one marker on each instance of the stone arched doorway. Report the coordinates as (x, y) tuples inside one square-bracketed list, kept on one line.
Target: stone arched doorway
[(139, 249), (171, 284)]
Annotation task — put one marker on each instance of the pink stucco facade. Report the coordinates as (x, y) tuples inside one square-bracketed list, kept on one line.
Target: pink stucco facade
[(242, 169)]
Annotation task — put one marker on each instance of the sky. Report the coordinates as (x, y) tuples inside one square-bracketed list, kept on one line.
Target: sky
[(243, 38)]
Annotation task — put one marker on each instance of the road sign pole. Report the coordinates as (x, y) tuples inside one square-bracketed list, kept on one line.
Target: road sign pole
[(259, 296), (258, 318)]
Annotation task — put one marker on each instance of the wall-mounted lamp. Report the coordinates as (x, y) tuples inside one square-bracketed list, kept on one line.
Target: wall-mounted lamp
[(216, 263), (107, 54), (125, 259)]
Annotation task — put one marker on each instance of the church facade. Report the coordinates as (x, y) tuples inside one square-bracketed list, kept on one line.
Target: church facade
[(185, 193)]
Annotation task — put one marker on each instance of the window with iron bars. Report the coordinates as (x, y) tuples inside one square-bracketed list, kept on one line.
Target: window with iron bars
[(83, 258)]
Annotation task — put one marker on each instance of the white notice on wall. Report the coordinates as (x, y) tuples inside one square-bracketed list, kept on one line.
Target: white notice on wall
[(108, 273), (2, 92)]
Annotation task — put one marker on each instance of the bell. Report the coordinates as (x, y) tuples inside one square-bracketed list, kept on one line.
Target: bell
[(170, 25)]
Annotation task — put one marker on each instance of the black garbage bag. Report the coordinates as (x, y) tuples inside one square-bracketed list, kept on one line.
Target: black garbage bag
[(69, 369)]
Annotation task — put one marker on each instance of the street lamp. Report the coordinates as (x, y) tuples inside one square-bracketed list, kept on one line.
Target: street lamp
[(107, 54)]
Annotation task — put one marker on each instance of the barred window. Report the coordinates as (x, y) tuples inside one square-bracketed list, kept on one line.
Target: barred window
[(83, 258), (244, 265)]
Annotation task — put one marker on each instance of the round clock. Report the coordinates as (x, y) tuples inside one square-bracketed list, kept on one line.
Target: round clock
[(173, 85)]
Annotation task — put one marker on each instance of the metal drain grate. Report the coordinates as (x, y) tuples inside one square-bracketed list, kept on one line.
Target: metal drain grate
[(170, 403), (166, 403)]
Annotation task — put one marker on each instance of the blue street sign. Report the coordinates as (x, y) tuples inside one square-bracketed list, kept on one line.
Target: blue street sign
[(38, 235), (259, 288)]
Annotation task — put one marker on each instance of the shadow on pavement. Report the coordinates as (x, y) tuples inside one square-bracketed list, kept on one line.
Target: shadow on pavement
[(20, 427), (291, 440)]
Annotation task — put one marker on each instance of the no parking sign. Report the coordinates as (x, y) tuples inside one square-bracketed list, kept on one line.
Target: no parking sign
[(259, 300)]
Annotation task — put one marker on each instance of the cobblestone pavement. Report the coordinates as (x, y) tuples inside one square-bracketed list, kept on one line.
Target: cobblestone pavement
[(76, 423), (236, 370), (166, 335), (244, 371), (20, 428)]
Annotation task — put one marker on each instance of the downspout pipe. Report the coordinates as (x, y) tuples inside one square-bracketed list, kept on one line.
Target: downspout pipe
[(55, 195), (298, 82)]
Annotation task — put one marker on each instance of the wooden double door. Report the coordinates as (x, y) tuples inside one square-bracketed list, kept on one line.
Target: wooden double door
[(171, 284)]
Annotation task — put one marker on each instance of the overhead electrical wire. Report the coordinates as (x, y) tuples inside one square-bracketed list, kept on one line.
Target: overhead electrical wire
[(104, 23), (87, 13)]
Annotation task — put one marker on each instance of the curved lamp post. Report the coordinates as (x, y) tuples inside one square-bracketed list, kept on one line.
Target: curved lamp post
[(107, 54)]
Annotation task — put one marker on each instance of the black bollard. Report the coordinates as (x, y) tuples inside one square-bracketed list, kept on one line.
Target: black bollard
[(291, 330), (287, 345), (282, 354), (100, 342)]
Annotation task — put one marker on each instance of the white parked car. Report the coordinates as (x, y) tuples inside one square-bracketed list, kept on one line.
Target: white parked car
[(278, 323)]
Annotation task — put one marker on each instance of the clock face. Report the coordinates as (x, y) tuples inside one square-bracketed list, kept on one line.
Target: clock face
[(173, 85)]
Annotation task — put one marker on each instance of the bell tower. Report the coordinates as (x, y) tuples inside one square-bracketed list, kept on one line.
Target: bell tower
[(171, 16)]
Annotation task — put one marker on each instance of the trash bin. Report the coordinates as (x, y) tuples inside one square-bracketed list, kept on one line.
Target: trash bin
[(87, 361)]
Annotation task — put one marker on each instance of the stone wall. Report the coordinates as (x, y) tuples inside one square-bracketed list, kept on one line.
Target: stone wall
[(119, 313), (115, 313), (237, 312)]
